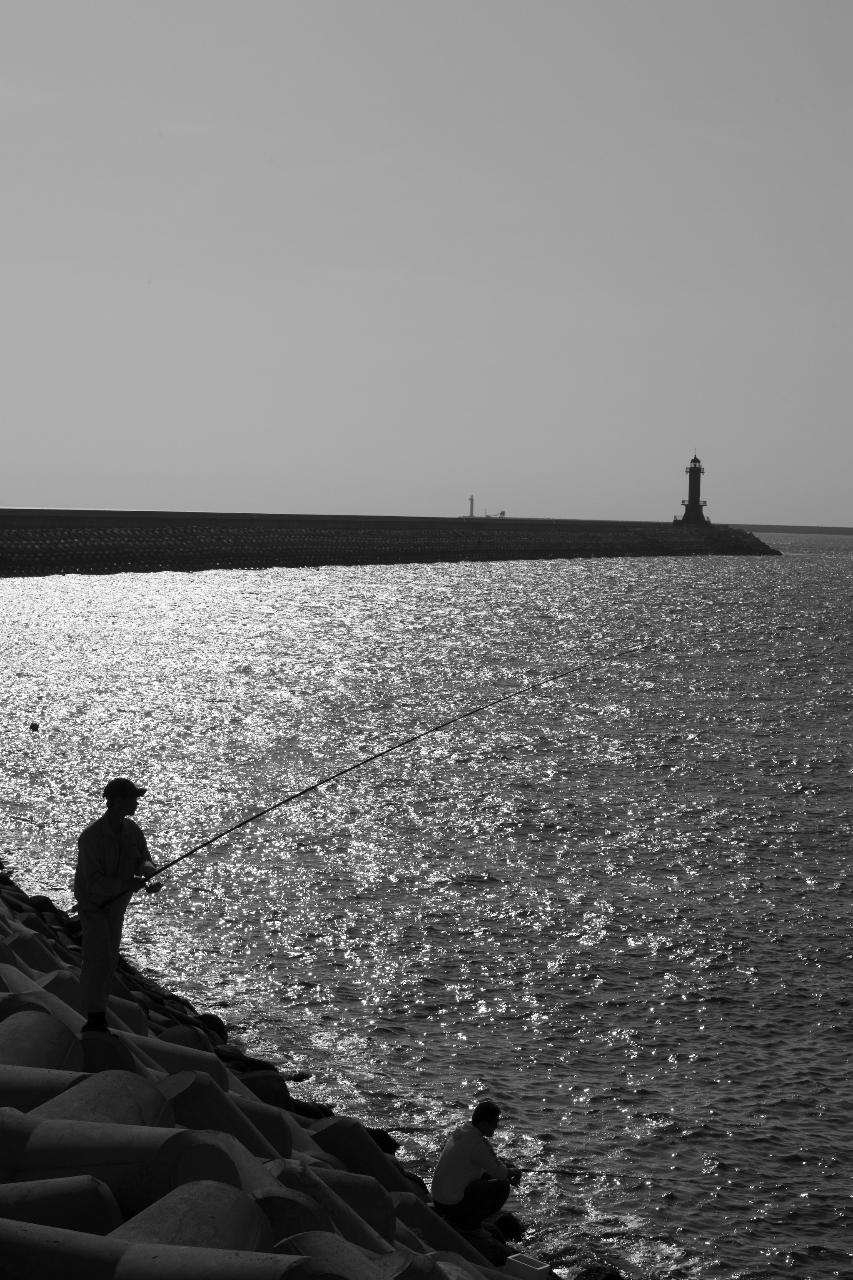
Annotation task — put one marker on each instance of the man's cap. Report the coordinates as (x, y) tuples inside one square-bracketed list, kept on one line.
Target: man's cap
[(122, 787)]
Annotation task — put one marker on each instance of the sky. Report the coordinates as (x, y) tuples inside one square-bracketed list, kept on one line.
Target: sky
[(376, 256)]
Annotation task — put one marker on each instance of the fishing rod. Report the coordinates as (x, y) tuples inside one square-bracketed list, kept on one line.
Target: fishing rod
[(559, 1170), (376, 755)]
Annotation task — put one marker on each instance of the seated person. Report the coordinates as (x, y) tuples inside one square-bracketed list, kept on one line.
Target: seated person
[(470, 1183)]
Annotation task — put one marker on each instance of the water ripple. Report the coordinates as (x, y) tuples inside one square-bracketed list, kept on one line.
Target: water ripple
[(620, 904)]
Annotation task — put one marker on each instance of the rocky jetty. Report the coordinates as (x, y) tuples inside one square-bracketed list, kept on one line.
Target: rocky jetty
[(161, 1149), (34, 542)]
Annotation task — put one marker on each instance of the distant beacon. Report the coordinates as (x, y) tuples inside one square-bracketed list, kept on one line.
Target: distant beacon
[(693, 513)]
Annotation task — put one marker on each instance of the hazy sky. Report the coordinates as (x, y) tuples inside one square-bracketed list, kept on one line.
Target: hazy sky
[(377, 255)]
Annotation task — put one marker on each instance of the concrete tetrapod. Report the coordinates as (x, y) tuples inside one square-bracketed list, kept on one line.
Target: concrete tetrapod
[(80, 1203), (35, 1038), (51, 1253), (405, 1235), (279, 1127), (30, 949), (250, 1174), (25, 1087), (138, 1164), (102, 1052), (269, 1086), (451, 1267), (201, 1214), (124, 1014), (118, 1097), (270, 1119), (367, 1197), (25, 982), (342, 1258), (288, 1209), (348, 1220), (348, 1139), (51, 929), (151, 1051), (183, 1033), (33, 996), (433, 1230), (14, 1002), (198, 1102), (9, 954)]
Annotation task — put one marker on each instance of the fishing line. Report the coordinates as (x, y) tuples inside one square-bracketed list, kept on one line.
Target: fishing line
[(377, 755), (560, 1170)]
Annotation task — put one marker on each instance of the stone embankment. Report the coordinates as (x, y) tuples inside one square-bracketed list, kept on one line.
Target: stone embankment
[(164, 1150), (36, 542)]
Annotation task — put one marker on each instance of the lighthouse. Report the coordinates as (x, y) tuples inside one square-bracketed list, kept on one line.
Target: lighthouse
[(693, 513)]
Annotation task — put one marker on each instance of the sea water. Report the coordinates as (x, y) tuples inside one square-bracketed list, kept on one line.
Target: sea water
[(617, 900)]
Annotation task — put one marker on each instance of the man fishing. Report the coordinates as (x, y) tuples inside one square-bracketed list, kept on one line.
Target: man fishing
[(470, 1182), (112, 863)]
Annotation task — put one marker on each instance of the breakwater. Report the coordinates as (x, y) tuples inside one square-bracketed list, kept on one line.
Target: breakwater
[(163, 1148), (38, 542)]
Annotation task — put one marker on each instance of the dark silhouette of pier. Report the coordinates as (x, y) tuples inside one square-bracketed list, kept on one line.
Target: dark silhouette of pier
[(38, 542)]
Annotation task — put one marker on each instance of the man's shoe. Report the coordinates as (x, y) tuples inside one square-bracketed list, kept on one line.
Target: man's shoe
[(96, 1023)]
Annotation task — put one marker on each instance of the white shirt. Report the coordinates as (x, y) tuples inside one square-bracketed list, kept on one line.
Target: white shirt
[(467, 1155)]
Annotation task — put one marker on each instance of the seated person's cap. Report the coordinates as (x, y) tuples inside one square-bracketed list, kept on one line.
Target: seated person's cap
[(122, 787)]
